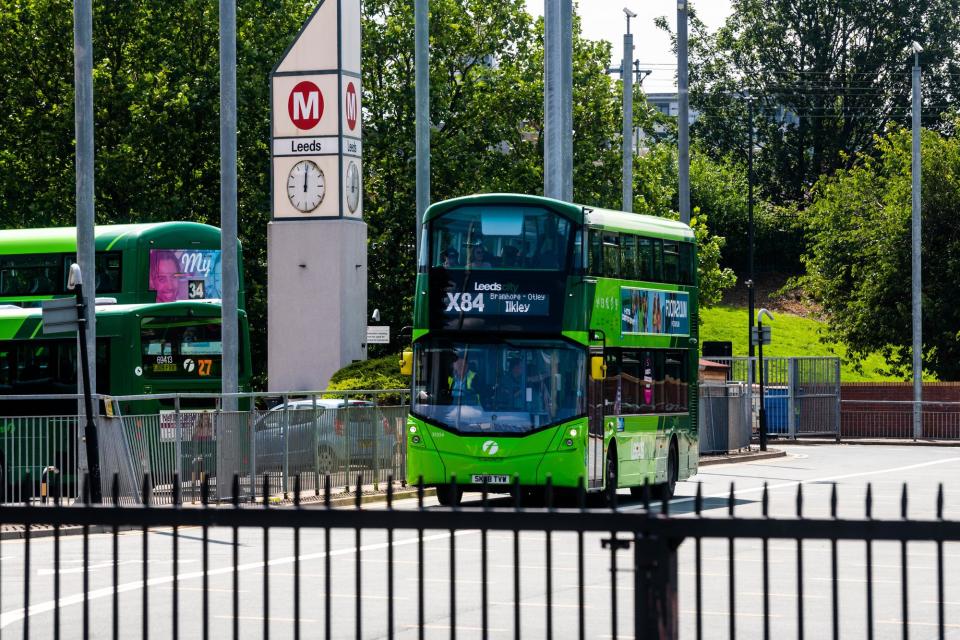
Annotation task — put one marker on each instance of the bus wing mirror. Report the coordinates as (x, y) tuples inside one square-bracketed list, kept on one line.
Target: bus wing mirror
[(406, 363), (598, 368)]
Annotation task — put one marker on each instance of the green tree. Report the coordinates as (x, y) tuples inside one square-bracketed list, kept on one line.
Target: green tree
[(827, 76), (858, 263), (156, 101)]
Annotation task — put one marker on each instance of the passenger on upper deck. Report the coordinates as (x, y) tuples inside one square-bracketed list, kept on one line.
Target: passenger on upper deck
[(478, 256), (510, 256), (451, 258)]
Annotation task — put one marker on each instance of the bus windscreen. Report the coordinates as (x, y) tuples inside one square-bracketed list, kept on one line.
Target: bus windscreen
[(498, 386), (500, 237)]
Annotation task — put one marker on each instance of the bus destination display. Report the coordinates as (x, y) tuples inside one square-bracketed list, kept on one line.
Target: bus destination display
[(498, 299)]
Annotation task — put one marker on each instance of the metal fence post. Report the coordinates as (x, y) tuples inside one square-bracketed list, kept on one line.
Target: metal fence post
[(656, 610), (836, 368), (346, 435), (375, 436), (178, 437), (792, 397), (253, 449), (286, 447)]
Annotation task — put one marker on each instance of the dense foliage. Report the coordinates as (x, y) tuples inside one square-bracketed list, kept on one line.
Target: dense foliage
[(156, 99), (827, 75), (858, 265)]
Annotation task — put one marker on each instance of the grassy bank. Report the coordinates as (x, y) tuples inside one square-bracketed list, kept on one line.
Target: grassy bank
[(792, 336)]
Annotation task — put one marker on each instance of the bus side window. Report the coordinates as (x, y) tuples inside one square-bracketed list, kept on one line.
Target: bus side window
[(628, 257), (630, 377), (596, 252), (611, 385), (675, 388), (671, 262), (687, 273), (611, 255), (644, 259), (656, 274)]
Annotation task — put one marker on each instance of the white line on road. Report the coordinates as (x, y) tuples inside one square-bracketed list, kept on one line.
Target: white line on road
[(16, 615), (794, 483)]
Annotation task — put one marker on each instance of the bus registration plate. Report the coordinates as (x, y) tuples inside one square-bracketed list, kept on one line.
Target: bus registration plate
[(490, 479)]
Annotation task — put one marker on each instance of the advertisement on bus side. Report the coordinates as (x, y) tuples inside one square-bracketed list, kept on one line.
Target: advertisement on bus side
[(185, 274), (652, 312)]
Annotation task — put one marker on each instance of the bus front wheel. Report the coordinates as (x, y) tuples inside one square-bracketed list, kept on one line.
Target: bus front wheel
[(449, 495), (668, 488), (612, 477)]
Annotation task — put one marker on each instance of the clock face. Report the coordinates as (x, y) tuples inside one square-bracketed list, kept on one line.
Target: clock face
[(306, 186), (353, 186)]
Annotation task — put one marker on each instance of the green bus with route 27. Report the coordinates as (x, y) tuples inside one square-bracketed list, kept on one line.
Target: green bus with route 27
[(141, 349), (552, 340)]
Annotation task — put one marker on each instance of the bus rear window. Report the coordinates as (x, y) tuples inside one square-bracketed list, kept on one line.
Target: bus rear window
[(172, 347), (493, 237)]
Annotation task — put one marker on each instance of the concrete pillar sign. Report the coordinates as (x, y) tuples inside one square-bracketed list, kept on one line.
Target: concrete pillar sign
[(317, 240)]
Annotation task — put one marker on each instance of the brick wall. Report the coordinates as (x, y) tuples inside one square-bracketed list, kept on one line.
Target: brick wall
[(875, 415)]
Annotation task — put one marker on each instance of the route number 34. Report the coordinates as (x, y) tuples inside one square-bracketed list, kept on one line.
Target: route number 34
[(465, 302)]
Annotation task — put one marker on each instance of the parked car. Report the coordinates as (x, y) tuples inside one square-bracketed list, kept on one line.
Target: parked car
[(325, 436)]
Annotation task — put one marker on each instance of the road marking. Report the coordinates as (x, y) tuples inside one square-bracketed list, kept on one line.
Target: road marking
[(446, 580), (103, 565), (446, 627), (540, 604), (920, 623), (794, 483), (9, 617)]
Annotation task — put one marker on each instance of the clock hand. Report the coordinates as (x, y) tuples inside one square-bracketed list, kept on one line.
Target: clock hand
[(305, 174)]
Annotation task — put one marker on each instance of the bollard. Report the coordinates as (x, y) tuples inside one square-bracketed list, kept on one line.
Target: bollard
[(43, 482)]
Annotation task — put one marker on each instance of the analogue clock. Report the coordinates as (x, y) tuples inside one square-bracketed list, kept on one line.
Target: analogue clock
[(306, 186), (353, 186)]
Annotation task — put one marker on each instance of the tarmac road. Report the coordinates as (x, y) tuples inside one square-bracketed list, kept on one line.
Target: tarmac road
[(816, 468)]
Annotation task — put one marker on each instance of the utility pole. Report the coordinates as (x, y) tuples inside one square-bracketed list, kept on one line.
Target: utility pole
[(83, 123), (558, 99), (626, 74), (683, 116), (421, 57), (751, 283), (228, 202), (915, 257)]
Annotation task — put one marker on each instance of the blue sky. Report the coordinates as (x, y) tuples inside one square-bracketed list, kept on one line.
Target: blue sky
[(604, 20)]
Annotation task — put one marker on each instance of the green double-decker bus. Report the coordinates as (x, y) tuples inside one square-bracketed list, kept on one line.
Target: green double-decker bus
[(552, 340), (141, 349), (135, 263)]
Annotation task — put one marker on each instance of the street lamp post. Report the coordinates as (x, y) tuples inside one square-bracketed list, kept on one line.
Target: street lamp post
[(915, 257), (751, 281), (626, 73)]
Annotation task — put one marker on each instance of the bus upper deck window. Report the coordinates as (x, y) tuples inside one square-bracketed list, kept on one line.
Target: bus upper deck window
[(628, 257), (671, 261), (611, 255), (686, 264), (596, 253)]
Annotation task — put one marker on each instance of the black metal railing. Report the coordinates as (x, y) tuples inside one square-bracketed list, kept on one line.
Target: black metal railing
[(501, 568)]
